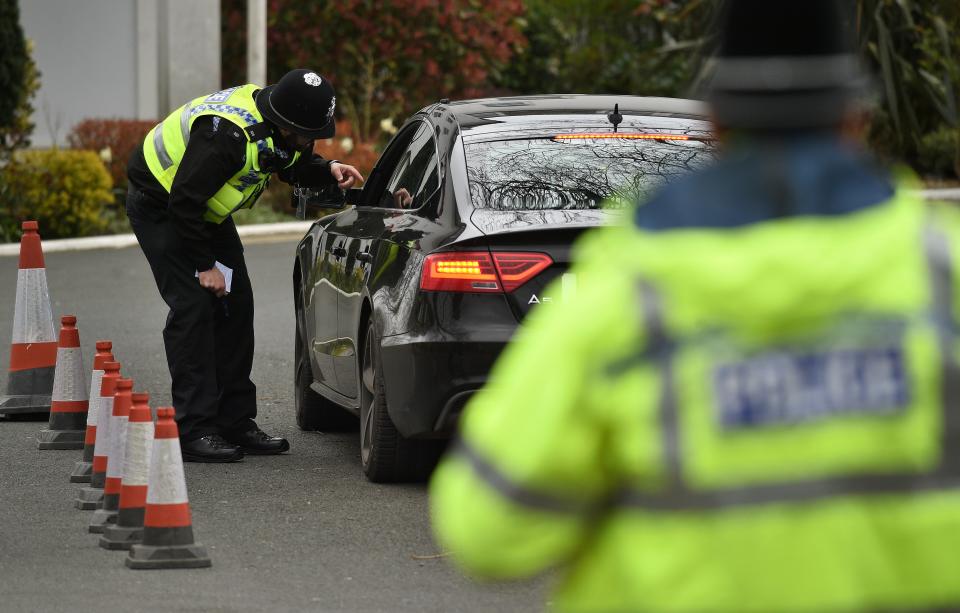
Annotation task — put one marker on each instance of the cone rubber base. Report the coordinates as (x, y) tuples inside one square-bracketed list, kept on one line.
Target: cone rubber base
[(16, 405), (120, 537), (101, 519), (168, 556), (81, 472), (60, 439), (88, 498)]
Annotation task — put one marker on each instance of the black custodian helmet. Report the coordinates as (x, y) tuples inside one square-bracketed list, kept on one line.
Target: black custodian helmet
[(302, 102), (784, 65)]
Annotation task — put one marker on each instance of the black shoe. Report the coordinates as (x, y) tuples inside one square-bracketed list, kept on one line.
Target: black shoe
[(257, 442), (210, 448)]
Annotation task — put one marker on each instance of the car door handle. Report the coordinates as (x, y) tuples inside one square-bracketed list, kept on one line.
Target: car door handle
[(365, 256), (338, 252)]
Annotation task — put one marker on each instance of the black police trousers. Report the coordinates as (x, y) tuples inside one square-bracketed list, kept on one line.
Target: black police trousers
[(208, 340)]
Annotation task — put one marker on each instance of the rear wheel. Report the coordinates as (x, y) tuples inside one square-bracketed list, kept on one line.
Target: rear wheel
[(314, 412), (385, 455)]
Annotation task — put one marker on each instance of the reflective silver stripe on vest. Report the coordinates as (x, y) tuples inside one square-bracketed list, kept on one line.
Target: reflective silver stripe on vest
[(661, 346), (185, 115), (516, 493), (678, 496), (160, 148), (940, 263)]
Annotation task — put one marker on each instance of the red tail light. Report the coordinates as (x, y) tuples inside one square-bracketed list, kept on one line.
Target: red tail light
[(515, 269), (480, 271), (464, 271)]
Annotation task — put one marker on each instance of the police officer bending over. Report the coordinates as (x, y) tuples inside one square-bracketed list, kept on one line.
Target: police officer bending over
[(752, 402), (208, 159)]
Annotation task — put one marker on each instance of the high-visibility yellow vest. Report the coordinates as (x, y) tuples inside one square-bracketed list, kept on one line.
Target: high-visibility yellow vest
[(759, 419), (165, 144)]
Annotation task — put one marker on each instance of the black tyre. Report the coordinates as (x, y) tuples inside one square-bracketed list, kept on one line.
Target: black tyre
[(385, 455), (314, 412)]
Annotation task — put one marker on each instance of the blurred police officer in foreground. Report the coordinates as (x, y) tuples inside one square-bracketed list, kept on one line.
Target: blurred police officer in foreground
[(752, 402), (208, 159)]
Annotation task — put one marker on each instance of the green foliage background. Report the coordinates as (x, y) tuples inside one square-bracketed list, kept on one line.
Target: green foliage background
[(641, 47), (67, 191), (19, 82), (13, 58), (914, 49), (390, 57), (385, 56)]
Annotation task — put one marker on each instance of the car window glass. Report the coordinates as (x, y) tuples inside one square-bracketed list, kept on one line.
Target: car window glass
[(417, 175), (537, 174), (388, 163), (431, 177)]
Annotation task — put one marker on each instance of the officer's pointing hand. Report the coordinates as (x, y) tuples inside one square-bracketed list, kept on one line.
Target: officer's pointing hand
[(347, 176)]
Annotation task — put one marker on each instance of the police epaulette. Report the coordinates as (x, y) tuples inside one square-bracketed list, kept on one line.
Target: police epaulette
[(259, 131)]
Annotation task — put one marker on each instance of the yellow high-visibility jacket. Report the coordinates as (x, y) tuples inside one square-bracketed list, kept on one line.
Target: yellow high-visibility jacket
[(758, 419), (165, 144)]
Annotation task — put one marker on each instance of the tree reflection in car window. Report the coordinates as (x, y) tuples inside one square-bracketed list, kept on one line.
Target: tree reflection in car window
[(544, 174), (416, 176)]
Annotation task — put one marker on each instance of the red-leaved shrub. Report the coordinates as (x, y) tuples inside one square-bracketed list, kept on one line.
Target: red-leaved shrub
[(113, 139), (346, 148)]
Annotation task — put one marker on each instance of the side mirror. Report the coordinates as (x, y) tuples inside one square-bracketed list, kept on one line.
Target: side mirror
[(307, 199)]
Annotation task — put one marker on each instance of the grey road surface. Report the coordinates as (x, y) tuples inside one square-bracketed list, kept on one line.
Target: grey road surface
[(299, 532)]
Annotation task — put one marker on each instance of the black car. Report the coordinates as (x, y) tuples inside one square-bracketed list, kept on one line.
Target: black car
[(406, 297)]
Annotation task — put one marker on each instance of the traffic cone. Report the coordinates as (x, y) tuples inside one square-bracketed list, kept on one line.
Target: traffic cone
[(119, 416), (83, 469), (68, 406), (136, 472), (33, 350), (90, 497), (168, 530)]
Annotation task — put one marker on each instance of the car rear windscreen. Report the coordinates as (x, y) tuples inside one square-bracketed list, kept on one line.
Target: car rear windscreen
[(575, 171)]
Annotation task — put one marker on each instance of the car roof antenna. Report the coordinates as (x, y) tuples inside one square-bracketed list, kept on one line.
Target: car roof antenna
[(615, 117)]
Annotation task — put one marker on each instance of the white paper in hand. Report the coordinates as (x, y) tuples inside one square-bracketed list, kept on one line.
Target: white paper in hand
[(227, 275)]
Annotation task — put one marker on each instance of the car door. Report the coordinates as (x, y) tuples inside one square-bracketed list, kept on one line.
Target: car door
[(413, 179), (331, 279), (323, 309)]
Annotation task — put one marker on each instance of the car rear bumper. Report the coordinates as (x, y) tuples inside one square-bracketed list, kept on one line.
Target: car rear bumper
[(428, 379)]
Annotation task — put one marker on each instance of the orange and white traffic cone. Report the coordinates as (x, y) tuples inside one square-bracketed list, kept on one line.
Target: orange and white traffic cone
[(33, 350), (119, 416), (167, 526), (68, 406), (83, 469), (89, 498), (136, 475)]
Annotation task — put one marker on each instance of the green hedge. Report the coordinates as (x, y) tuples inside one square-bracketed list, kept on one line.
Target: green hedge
[(939, 153), (66, 191)]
